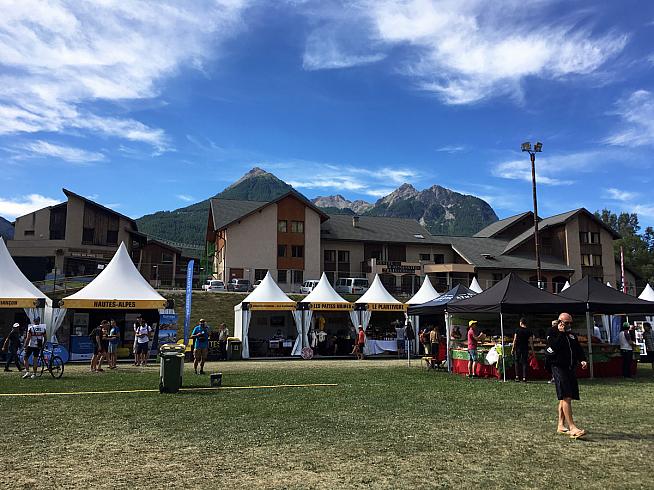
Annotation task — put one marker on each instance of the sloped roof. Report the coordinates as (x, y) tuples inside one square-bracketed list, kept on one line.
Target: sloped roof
[(514, 295), (227, 211), (425, 293), (16, 291), (268, 292), (501, 225), (377, 293), (374, 229), (323, 293), (439, 305), (69, 193), (555, 220), (119, 286), (488, 253), (605, 299)]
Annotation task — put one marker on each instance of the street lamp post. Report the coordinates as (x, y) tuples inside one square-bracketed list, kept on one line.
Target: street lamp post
[(538, 147)]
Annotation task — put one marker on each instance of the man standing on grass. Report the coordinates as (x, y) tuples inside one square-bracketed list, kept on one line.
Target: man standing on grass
[(34, 341), (97, 337), (522, 344), (114, 340), (200, 335), (473, 338), (223, 335), (10, 346), (564, 353), (143, 332)]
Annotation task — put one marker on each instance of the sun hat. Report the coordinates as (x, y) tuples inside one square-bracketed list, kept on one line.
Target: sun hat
[(472, 322)]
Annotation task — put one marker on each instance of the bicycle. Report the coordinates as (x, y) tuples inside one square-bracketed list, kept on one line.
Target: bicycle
[(47, 359)]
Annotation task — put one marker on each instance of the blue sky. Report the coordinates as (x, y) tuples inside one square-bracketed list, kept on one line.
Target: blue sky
[(145, 107)]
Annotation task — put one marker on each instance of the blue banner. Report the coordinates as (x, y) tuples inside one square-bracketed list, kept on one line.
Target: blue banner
[(189, 291)]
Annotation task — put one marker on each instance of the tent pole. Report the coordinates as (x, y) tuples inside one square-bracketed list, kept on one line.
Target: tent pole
[(590, 343), (447, 341), (502, 341)]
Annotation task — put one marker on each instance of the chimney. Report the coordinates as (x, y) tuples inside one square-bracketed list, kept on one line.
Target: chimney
[(355, 221)]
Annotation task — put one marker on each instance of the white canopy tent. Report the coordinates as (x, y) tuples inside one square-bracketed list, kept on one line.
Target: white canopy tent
[(377, 298), (474, 286), (425, 293), (17, 292), (266, 297), (565, 286), (322, 298), (120, 286), (647, 294)]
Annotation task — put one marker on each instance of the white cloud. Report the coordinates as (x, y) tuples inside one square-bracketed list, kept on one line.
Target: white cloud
[(61, 57), (644, 210), (451, 149), (467, 51), (379, 192), (637, 114), (70, 154), (521, 170), (323, 52), (20, 206), (185, 197), (620, 195)]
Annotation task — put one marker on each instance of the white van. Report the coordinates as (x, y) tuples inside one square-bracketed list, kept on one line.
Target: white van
[(215, 285), (307, 286), (351, 285)]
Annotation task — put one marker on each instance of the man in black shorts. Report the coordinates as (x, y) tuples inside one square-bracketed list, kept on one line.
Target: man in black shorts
[(564, 353)]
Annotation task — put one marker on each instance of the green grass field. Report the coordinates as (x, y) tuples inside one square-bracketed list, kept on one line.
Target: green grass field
[(383, 426)]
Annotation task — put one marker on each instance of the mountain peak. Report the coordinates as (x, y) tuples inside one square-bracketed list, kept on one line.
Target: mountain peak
[(254, 172), (405, 191)]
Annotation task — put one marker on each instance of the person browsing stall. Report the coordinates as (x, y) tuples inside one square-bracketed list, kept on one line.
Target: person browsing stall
[(523, 343), (97, 336), (143, 333), (473, 338), (200, 335), (564, 354), (626, 350), (114, 339), (10, 346)]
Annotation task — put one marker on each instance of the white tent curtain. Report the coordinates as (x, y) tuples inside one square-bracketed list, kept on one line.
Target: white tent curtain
[(245, 326), (54, 317), (354, 318), (308, 315), (297, 346), (34, 313), (365, 319)]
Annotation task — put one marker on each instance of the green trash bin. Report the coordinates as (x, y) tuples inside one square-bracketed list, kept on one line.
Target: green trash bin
[(171, 368), (234, 345)]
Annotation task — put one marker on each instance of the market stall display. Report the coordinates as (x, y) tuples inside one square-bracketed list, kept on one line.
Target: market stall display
[(119, 292), (267, 322), (425, 294), (388, 310), (326, 320)]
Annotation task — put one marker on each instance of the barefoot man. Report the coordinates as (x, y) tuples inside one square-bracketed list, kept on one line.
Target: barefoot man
[(564, 354)]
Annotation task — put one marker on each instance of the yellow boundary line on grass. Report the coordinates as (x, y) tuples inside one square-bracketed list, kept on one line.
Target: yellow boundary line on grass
[(79, 393)]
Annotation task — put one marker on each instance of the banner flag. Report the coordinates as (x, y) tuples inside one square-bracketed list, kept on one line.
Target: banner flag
[(189, 291)]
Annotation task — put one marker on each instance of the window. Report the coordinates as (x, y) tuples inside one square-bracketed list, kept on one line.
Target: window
[(87, 235), (259, 274), (297, 251), (583, 237), (595, 238), (425, 257), (298, 277), (586, 260), (330, 255), (281, 250), (112, 237), (439, 258), (297, 226), (497, 276), (281, 225), (166, 258), (281, 276), (344, 256), (29, 232), (597, 260)]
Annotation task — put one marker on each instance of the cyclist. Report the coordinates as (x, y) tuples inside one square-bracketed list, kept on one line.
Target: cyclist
[(34, 341)]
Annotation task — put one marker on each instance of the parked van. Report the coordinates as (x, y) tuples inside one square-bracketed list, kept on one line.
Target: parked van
[(307, 286), (351, 285), (215, 285), (238, 285)]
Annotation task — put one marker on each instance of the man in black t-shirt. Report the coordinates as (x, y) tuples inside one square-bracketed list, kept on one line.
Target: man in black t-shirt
[(522, 342), (10, 346)]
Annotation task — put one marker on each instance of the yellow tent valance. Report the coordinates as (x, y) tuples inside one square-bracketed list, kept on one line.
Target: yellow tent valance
[(272, 306), (114, 304), (386, 307), (331, 306), (18, 302)]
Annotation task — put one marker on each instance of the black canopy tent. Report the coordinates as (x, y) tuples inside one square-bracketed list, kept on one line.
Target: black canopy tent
[(599, 298), (439, 305), (514, 295)]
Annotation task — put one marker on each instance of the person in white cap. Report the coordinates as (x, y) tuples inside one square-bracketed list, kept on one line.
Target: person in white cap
[(10, 346), (34, 342)]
